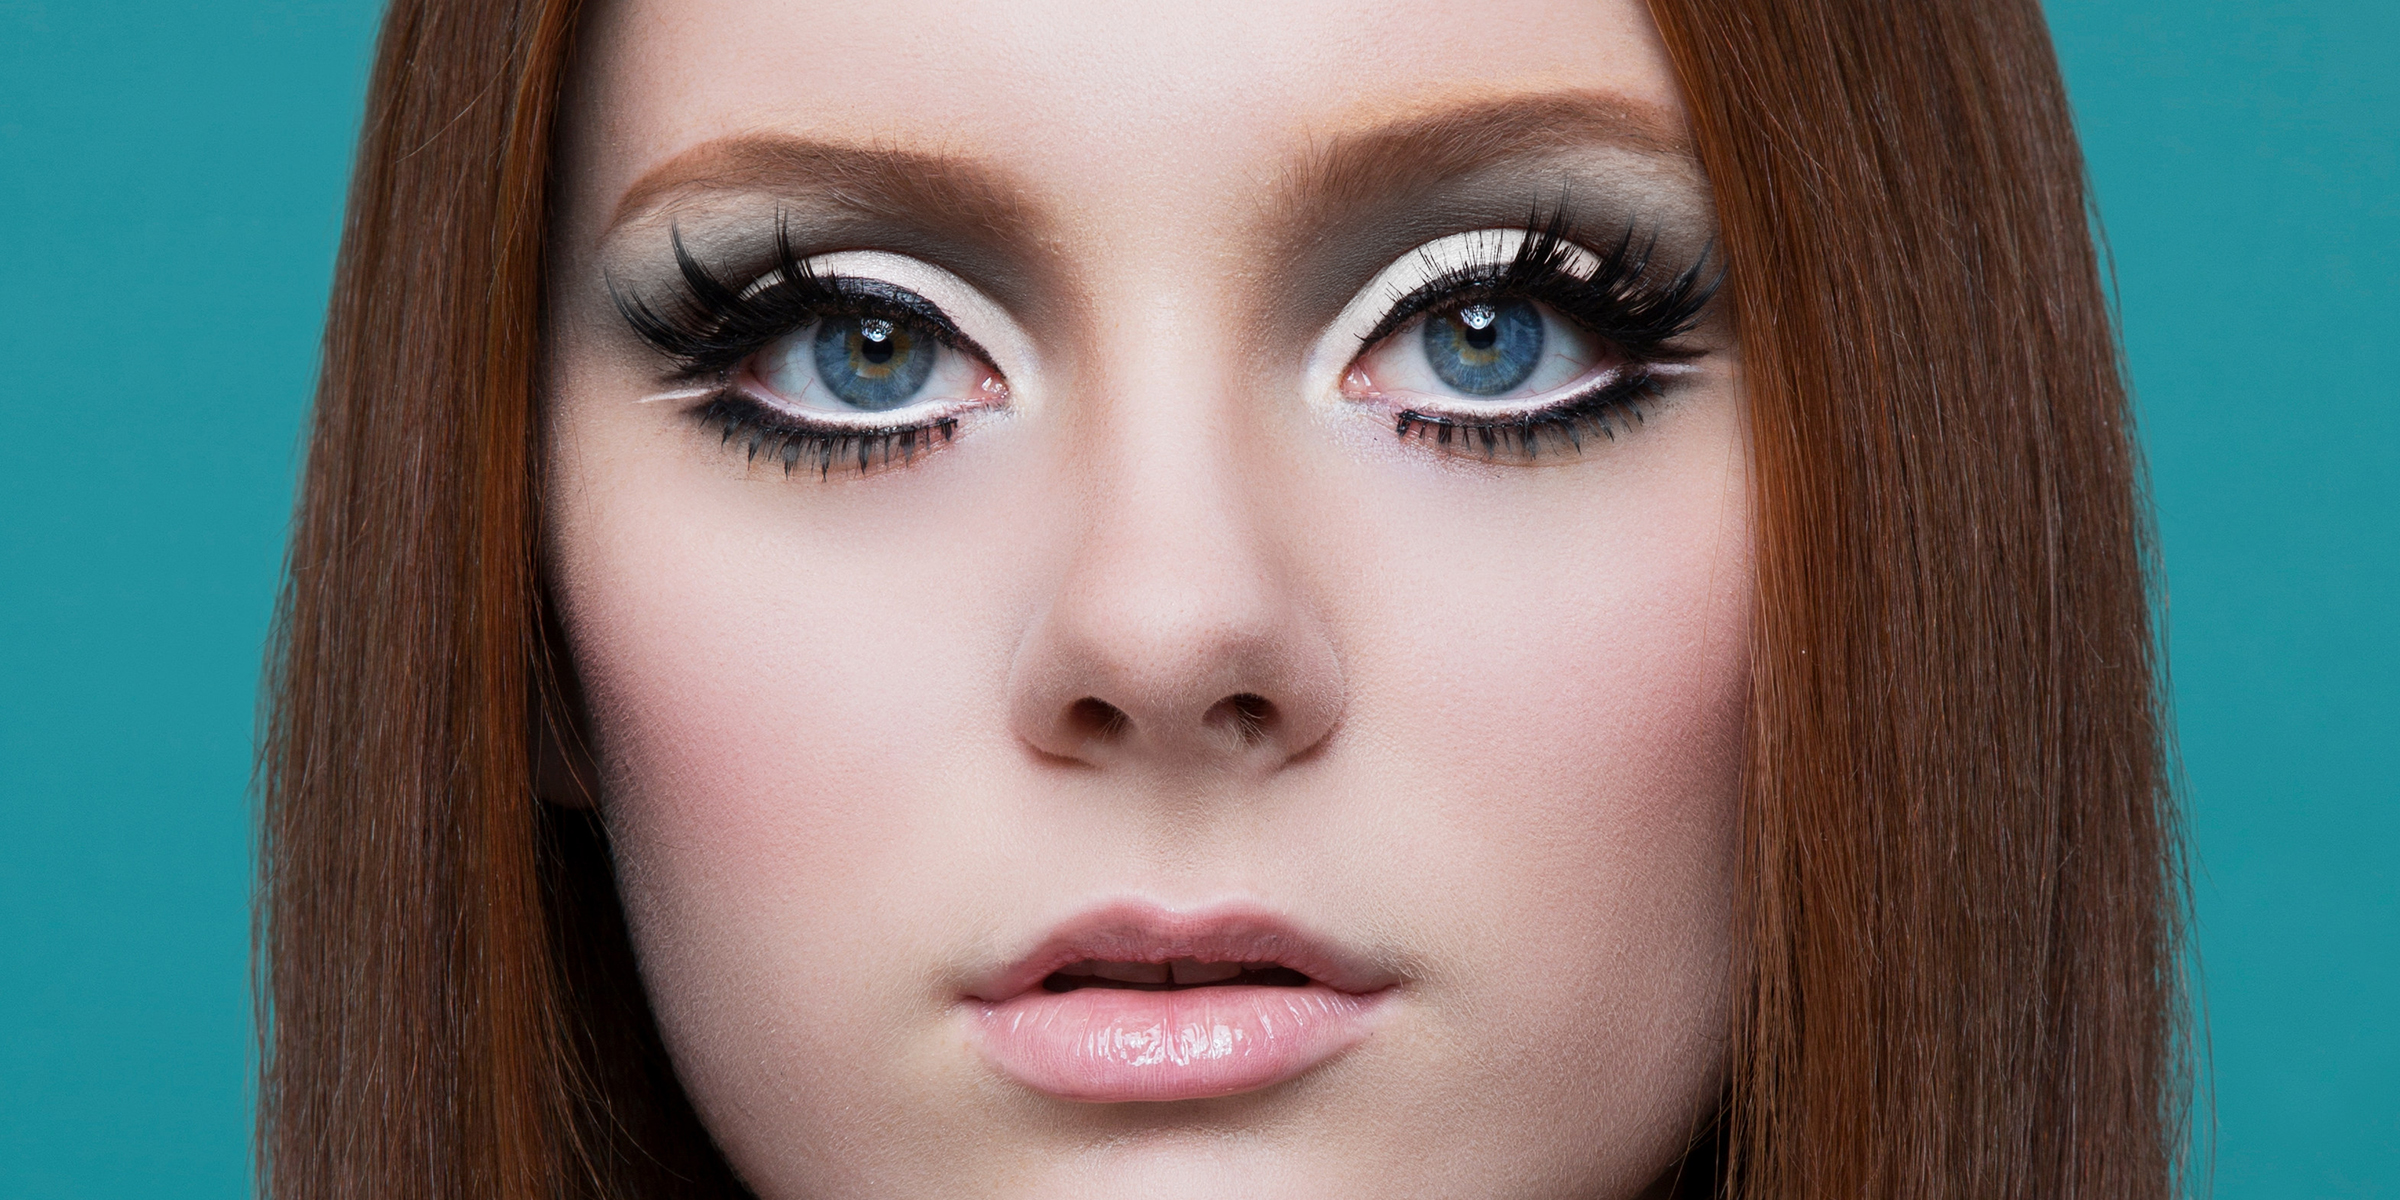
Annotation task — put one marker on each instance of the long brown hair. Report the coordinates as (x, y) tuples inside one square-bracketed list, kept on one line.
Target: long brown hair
[(1959, 940)]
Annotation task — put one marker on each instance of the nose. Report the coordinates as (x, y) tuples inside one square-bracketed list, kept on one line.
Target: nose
[(1176, 637)]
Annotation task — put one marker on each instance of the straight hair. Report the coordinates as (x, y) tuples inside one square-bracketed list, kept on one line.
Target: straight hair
[(1959, 931)]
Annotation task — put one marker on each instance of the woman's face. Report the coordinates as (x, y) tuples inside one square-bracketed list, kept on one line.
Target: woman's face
[(1143, 636)]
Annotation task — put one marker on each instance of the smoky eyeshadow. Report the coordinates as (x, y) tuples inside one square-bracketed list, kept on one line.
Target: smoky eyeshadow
[(734, 235), (1599, 196), (1321, 256)]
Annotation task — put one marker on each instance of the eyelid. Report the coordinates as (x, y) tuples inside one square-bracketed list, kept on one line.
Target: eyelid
[(1613, 294), (689, 324), (1617, 293), (1468, 408), (715, 331), (872, 297), (1482, 275), (1463, 266), (790, 441)]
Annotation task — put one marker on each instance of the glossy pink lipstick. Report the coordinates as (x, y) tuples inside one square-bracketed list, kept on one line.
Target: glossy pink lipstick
[(1136, 1002)]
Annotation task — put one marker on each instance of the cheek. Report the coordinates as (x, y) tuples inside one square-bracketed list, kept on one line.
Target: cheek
[(791, 718), (1557, 753)]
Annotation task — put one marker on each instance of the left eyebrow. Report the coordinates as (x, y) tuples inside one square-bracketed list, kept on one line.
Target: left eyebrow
[(1359, 169)]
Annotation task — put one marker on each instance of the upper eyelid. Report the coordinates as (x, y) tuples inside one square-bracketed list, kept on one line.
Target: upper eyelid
[(1455, 283), (690, 325), (1624, 274), (888, 299), (1536, 247)]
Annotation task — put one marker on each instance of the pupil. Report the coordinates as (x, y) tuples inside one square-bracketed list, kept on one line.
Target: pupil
[(1482, 339), (875, 341)]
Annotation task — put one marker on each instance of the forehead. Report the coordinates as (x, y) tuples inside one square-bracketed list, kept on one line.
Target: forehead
[(1104, 115)]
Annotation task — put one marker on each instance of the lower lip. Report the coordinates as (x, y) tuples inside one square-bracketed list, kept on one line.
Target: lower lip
[(1104, 1045)]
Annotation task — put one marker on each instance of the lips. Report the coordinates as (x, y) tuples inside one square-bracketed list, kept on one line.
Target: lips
[(1136, 1002)]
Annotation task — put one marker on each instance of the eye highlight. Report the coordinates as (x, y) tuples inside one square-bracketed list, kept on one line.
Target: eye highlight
[(817, 368), (1517, 342)]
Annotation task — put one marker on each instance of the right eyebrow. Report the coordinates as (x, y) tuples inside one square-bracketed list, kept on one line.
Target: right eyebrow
[(887, 183)]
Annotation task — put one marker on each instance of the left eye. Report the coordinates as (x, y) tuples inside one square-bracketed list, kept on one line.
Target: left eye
[(1487, 350), (865, 364)]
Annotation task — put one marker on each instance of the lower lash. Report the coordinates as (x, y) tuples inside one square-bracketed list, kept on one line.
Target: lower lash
[(739, 420), (1524, 435)]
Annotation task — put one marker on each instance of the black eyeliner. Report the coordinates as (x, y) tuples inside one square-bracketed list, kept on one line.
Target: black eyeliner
[(1600, 410), (1639, 312), (1621, 300), (711, 327), (762, 431)]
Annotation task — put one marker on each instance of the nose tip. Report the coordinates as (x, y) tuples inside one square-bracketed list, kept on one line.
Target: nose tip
[(1115, 690), (1183, 627)]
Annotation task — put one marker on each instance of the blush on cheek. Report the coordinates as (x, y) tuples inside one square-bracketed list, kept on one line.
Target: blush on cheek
[(749, 793)]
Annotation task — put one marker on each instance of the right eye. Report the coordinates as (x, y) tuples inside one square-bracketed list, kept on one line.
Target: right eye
[(866, 364)]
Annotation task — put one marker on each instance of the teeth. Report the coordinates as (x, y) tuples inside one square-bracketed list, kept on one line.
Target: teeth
[(1124, 972), (1190, 971), (1086, 967)]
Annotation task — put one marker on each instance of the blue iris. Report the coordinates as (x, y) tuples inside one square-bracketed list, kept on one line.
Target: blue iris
[(871, 363), (1485, 349)]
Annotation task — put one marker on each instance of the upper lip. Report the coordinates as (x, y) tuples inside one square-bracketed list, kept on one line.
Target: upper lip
[(1141, 932)]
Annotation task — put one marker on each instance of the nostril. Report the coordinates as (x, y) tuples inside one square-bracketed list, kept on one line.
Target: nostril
[(1093, 719), (1246, 715)]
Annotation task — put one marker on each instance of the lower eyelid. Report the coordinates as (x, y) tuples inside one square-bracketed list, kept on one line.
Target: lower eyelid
[(746, 426), (1563, 428), (781, 414), (1583, 383)]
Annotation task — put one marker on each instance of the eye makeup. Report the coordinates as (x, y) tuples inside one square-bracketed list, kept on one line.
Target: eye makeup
[(817, 362), (1513, 343), (1507, 344)]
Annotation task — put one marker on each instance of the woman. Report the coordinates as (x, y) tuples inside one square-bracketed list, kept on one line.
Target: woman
[(1323, 602)]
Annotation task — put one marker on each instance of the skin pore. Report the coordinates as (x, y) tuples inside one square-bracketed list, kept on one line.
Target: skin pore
[(1177, 598)]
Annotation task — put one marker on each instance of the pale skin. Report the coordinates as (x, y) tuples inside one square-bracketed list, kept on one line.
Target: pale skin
[(1475, 715)]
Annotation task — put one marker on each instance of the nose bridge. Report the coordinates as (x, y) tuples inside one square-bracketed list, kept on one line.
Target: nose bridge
[(1174, 586), (1174, 633)]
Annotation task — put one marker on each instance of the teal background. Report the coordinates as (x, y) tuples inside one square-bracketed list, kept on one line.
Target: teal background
[(170, 184)]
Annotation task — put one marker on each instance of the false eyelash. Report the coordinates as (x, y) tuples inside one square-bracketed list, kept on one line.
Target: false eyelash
[(1619, 301), (738, 418), (712, 326), (1600, 410)]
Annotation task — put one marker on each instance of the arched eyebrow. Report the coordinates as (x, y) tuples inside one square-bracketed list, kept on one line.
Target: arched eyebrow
[(895, 185), (1361, 168), (1338, 174)]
